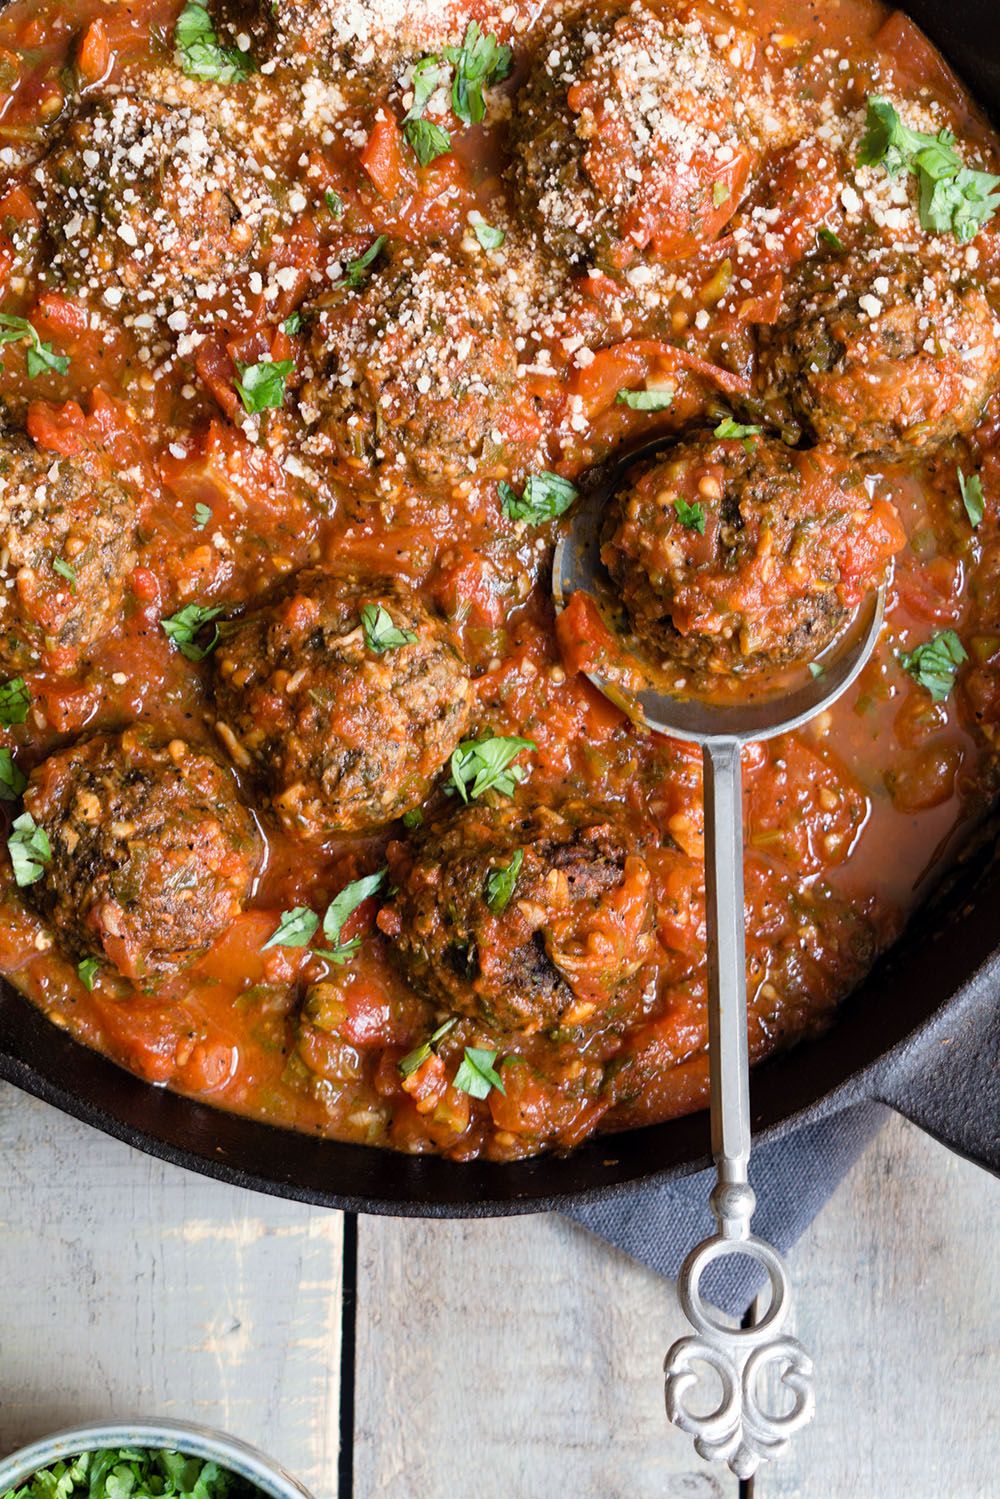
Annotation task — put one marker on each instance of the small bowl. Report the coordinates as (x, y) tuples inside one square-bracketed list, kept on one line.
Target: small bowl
[(180, 1436)]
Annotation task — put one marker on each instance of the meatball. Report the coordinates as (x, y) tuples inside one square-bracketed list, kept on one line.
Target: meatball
[(67, 538), (523, 919), (346, 699), (733, 556), (883, 355), (143, 203), (629, 136), (153, 854), (412, 371), (355, 35)]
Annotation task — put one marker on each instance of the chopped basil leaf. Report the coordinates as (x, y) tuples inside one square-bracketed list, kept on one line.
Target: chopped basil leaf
[(489, 237), (202, 516), (334, 202), (413, 818), (87, 970), (691, 516), (340, 908), (183, 627), (40, 356), (427, 140), (292, 323), (500, 883), (736, 430), (952, 197), (199, 52), (816, 669), (12, 780), (645, 400), (295, 929), (15, 700), (65, 570), (381, 634), (972, 497), (359, 270), (477, 1075), (545, 497), (427, 75), (29, 849), (262, 386), (479, 62), (935, 663), (417, 1057), (829, 238), (480, 765)]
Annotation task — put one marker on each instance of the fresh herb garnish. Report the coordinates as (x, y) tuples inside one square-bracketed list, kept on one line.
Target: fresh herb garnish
[(428, 75), (292, 323), (295, 929), (340, 908), (427, 140), (545, 497), (691, 516), (500, 883), (201, 55), (645, 400), (972, 497), (477, 1075), (29, 849), (489, 237), (952, 197), (359, 270), (12, 780), (15, 700), (480, 765), (133, 1473), (721, 193), (935, 663), (202, 516), (40, 356), (479, 62), (829, 238), (413, 818), (87, 970), (334, 202), (183, 628), (816, 669), (65, 570), (262, 386), (738, 431), (381, 634), (417, 1057)]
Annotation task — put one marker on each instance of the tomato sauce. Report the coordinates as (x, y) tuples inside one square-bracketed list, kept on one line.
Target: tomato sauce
[(846, 821)]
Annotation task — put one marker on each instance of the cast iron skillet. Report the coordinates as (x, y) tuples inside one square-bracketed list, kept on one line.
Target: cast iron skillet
[(922, 1033)]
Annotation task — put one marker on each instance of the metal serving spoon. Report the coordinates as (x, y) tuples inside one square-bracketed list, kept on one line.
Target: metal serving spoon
[(739, 1430)]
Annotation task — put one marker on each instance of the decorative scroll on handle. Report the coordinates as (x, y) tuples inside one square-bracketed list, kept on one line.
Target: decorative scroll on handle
[(740, 1430)]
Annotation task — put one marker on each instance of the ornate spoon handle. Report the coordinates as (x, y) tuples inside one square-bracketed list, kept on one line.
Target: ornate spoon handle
[(739, 1431)]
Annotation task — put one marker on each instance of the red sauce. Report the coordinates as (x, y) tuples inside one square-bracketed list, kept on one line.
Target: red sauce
[(845, 822)]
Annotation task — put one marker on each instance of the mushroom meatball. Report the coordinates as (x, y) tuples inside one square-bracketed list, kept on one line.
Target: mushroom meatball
[(523, 919), (152, 853), (629, 137), (357, 35), (67, 539), (413, 371), (345, 698), (882, 354), (733, 556), (142, 203)]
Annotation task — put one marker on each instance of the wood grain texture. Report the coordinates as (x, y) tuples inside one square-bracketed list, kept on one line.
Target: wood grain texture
[(898, 1295), (514, 1358), (132, 1288)]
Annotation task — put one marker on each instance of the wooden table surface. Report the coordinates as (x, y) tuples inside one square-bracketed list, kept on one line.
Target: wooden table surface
[(518, 1359)]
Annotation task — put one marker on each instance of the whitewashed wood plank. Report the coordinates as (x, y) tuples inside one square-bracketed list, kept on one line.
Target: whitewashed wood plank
[(898, 1296), (518, 1357), (131, 1287)]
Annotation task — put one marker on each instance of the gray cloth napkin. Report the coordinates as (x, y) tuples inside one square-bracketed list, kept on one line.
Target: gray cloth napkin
[(658, 1223)]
